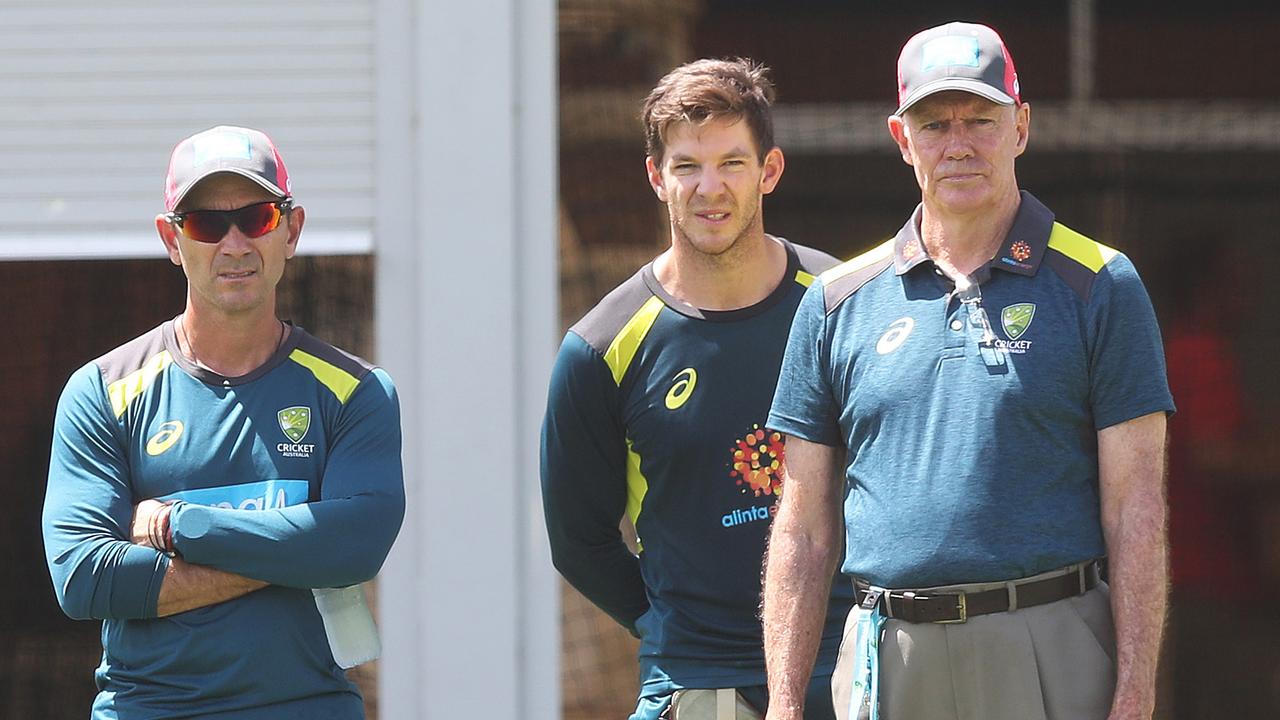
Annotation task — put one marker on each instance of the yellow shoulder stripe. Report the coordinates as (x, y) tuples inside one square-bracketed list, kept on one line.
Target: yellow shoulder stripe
[(804, 278), (123, 391), (1089, 253), (624, 346), (341, 382), (637, 488), (866, 259)]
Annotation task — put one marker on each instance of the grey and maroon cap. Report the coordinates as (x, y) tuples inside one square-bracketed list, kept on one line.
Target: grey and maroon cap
[(956, 56), (225, 148)]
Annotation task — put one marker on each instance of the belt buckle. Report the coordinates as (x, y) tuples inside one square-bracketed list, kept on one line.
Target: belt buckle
[(962, 606)]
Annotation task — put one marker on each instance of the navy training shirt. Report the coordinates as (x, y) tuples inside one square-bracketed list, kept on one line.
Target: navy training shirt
[(656, 410)]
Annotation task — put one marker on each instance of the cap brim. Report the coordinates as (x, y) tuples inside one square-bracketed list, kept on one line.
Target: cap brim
[(266, 184), (969, 85)]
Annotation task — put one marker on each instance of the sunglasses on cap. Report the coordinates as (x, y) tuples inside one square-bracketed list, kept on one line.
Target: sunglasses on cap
[(210, 226)]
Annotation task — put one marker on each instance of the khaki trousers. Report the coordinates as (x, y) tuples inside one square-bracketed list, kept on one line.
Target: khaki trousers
[(1049, 662), (721, 704)]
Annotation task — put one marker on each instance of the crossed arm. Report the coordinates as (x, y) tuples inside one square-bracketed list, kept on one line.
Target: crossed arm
[(185, 586), (105, 566), (92, 526)]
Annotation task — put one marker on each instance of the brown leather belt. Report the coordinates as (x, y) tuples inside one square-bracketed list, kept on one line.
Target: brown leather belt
[(928, 607)]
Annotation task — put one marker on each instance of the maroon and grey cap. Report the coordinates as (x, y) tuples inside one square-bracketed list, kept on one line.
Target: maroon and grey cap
[(956, 56), (229, 149)]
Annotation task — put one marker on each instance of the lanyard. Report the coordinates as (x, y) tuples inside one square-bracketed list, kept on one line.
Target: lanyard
[(866, 658)]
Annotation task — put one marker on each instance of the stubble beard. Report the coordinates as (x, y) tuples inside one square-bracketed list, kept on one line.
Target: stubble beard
[(731, 254)]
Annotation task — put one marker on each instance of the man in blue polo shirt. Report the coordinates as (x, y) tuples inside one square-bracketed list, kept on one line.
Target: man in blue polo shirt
[(992, 385)]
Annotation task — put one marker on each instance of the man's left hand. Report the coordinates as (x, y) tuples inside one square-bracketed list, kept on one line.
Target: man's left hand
[(150, 526)]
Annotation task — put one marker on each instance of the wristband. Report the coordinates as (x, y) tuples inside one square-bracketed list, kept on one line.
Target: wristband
[(159, 532), (151, 530), (168, 532)]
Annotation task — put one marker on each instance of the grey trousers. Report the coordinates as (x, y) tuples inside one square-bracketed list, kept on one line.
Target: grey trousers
[(1049, 662)]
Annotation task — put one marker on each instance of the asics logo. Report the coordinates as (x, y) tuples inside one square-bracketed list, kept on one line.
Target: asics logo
[(678, 395), (165, 439), (897, 333)]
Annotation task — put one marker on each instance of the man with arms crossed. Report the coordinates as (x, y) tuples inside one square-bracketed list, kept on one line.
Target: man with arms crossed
[(657, 405), (207, 475), (988, 387)]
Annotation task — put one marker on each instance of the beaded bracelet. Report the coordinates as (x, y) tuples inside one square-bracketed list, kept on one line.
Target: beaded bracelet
[(159, 533)]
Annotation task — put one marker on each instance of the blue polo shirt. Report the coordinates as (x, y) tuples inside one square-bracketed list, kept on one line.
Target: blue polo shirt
[(972, 447)]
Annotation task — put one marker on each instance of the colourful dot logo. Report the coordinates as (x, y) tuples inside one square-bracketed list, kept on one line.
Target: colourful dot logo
[(1020, 251), (757, 462), (684, 382)]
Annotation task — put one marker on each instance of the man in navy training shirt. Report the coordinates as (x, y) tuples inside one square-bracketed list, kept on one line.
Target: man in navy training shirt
[(657, 405)]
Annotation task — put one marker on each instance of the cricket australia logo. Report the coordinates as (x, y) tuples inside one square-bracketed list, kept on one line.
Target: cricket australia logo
[(294, 423), (1016, 319)]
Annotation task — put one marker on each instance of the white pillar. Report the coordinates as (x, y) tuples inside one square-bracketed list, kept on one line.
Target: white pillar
[(466, 324)]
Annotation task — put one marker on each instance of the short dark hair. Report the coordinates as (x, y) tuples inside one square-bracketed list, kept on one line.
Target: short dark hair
[(703, 90)]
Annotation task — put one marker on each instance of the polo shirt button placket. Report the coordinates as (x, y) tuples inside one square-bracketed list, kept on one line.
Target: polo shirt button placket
[(955, 332)]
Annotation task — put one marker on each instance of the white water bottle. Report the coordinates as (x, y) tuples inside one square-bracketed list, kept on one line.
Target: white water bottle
[(353, 637)]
